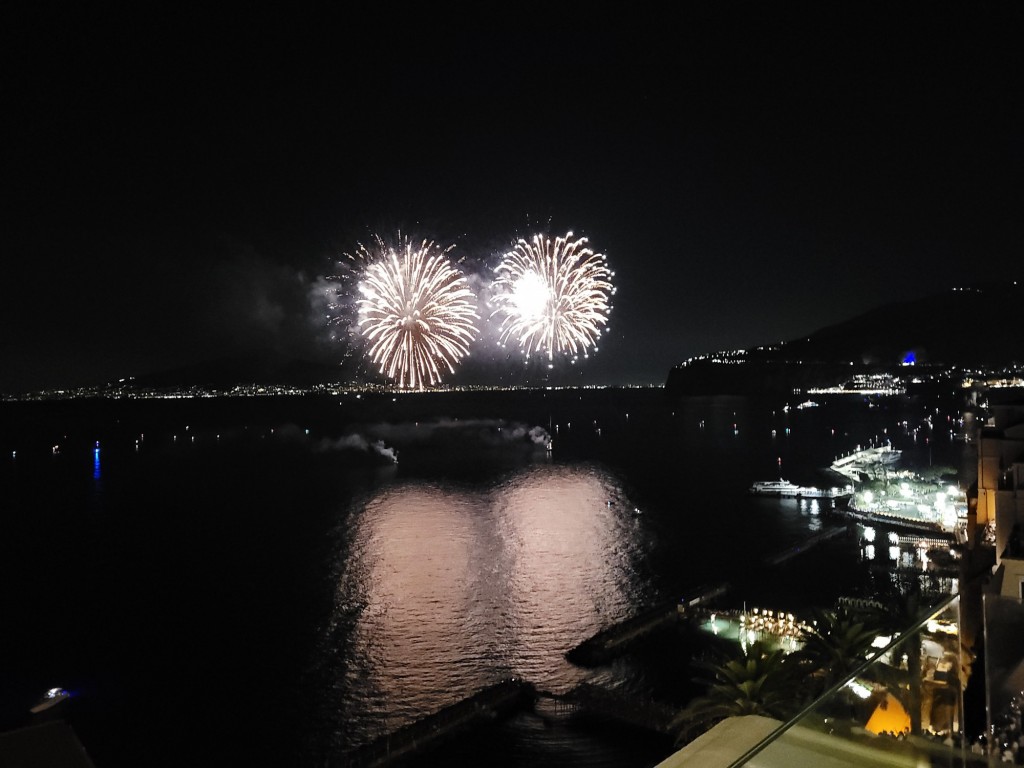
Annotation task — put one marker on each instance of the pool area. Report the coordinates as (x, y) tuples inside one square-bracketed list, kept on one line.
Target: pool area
[(776, 629)]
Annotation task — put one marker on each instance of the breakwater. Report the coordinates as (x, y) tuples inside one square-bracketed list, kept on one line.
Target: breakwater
[(613, 705), (489, 704), (780, 557), (616, 639)]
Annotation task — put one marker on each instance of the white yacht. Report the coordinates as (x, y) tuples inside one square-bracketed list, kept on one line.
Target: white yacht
[(790, 490), (51, 698)]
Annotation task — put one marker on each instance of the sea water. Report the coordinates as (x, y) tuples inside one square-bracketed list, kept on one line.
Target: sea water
[(219, 582)]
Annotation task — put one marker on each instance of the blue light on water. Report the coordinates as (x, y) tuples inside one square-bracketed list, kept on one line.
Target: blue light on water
[(96, 462), (909, 358)]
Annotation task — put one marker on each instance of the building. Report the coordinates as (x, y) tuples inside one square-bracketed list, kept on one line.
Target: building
[(1001, 486)]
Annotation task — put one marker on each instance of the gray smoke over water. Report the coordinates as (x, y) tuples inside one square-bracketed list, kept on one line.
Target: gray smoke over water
[(385, 440), (355, 442), (491, 433)]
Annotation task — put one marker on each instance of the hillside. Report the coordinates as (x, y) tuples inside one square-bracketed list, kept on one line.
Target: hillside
[(976, 327)]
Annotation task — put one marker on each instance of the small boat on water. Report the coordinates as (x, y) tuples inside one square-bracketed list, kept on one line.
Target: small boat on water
[(787, 489), (51, 698)]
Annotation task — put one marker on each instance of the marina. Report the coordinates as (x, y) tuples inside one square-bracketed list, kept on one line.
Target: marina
[(880, 492)]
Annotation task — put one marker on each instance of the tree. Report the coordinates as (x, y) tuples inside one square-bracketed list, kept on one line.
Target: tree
[(758, 681), (835, 644), (903, 610)]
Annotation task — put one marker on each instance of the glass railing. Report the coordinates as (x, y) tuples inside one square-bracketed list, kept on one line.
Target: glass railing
[(902, 707), (1004, 675)]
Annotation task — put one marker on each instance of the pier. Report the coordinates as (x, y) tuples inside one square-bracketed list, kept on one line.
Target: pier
[(802, 546), (612, 705), (616, 639), (867, 461), (891, 520), (484, 706)]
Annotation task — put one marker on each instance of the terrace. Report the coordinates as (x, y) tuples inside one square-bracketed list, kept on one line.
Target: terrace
[(904, 706)]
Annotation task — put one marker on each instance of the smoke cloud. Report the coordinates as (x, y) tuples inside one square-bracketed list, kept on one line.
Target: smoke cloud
[(356, 442), (385, 440), (489, 433)]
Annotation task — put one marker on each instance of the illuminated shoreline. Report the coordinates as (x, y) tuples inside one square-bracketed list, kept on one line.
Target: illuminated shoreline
[(283, 390)]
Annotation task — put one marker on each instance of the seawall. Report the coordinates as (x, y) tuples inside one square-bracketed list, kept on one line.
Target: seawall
[(616, 639), (489, 704)]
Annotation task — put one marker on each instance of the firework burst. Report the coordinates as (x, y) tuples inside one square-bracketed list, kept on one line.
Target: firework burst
[(416, 312), (553, 295)]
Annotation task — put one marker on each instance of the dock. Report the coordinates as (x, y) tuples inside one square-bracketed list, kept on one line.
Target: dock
[(484, 706), (890, 520), (866, 461)]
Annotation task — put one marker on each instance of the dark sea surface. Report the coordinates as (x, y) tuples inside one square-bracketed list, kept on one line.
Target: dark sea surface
[(254, 581)]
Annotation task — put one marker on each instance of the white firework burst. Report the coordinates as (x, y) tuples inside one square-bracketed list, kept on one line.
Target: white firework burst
[(416, 312), (553, 296)]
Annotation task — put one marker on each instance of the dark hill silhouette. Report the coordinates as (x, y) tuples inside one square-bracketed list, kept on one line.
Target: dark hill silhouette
[(982, 326), (977, 326)]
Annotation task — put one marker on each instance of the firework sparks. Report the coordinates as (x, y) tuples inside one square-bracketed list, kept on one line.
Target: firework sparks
[(553, 295), (416, 312)]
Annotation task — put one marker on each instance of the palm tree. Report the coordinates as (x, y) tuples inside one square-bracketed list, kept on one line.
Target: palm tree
[(840, 641), (836, 643), (904, 609), (759, 681)]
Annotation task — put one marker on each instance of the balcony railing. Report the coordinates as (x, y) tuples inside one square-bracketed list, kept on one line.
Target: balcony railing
[(1004, 677), (904, 706)]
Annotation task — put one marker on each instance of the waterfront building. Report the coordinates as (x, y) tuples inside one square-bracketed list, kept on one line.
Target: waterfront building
[(863, 719), (836, 729), (1000, 497)]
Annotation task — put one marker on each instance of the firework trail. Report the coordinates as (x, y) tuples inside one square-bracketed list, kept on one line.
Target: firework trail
[(553, 295), (416, 312)]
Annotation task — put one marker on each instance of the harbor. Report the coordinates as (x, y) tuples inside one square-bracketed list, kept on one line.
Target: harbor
[(880, 492)]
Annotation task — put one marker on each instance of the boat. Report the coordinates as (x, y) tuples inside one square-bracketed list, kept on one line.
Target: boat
[(51, 698), (790, 490)]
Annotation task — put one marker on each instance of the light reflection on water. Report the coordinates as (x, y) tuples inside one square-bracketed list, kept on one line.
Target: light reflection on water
[(454, 589)]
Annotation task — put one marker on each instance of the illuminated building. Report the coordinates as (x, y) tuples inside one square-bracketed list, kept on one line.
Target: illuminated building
[(1001, 486)]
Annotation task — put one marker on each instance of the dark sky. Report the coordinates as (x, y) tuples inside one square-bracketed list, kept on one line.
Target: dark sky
[(176, 183)]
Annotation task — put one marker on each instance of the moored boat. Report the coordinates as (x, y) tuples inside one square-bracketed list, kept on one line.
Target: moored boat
[(51, 698), (787, 489)]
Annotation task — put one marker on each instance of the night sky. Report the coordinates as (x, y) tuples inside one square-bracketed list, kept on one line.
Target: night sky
[(177, 184)]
